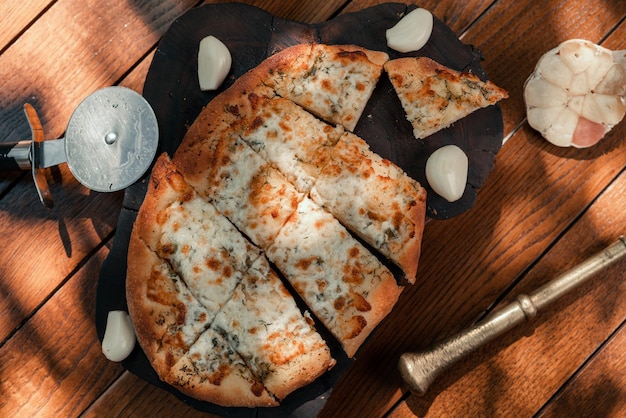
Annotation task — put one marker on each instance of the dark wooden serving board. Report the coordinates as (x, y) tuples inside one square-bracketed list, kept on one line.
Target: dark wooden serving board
[(251, 35)]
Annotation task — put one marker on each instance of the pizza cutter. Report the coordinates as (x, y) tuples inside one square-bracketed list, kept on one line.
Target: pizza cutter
[(110, 142)]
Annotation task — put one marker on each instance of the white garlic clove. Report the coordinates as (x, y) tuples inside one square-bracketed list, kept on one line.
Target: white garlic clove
[(578, 56), (614, 81), (603, 108), (214, 62), (119, 336), (446, 172), (540, 92), (412, 31), (553, 69), (562, 128)]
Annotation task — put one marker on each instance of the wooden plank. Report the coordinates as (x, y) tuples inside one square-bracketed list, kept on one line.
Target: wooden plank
[(17, 15), (131, 396), (599, 388), (44, 246), (520, 372), (53, 365)]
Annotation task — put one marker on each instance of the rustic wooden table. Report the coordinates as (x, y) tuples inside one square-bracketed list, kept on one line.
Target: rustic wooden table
[(541, 211)]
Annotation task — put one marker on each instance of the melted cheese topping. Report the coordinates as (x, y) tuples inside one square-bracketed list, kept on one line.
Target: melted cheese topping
[(433, 96), (251, 193), (206, 250), (291, 139), (184, 317)]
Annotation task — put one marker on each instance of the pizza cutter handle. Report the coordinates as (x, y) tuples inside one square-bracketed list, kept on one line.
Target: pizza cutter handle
[(15, 155), (25, 155)]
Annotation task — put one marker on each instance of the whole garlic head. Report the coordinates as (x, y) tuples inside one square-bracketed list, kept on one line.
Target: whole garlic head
[(576, 93)]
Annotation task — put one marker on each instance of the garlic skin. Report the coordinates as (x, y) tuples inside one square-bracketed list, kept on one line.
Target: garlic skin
[(446, 172), (576, 93), (119, 336), (214, 62), (412, 31)]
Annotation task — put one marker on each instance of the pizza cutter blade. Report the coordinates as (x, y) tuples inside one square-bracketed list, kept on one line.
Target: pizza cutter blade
[(110, 142)]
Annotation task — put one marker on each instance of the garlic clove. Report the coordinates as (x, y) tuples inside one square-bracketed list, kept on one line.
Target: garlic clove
[(553, 69), (540, 92), (577, 55), (587, 133), (412, 31), (214, 62), (561, 130), (613, 82), (603, 108), (119, 336), (446, 172)]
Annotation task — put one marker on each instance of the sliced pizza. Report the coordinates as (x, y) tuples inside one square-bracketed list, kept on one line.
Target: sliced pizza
[(376, 200), (434, 96), (333, 82), (344, 285), (208, 311), (264, 325)]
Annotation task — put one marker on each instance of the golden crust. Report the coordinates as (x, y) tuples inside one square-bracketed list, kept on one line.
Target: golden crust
[(382, 299), (154, 305)]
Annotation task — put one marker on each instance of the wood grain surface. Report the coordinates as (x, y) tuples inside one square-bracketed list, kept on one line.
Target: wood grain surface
[(542, 210)]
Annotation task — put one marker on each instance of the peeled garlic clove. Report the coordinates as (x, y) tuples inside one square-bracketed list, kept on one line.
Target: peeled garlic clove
[(412, 31), (119, 336), (446, 172), (214, 62), (576, 90)]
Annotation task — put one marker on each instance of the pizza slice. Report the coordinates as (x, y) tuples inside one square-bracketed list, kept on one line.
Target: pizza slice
[(376, 200), (434, 96), (290, 138), (333, 82), (199, 243), (246, 189), (345, 286), (266, 328)]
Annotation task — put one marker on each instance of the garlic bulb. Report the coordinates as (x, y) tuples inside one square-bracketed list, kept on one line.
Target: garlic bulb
[(119, 336), (412, 31), (576, 93), (214, 62), (446, 172)]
